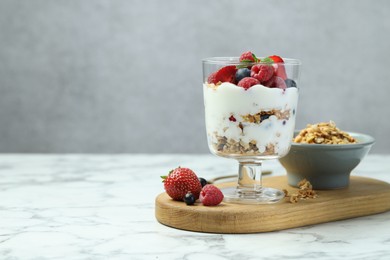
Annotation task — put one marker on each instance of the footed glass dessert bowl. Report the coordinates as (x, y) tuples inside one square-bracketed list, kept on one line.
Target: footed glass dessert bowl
[(250, 110)]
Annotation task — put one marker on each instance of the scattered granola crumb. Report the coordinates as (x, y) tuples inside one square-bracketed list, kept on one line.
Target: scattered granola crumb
[(294, 198), (305, 192)]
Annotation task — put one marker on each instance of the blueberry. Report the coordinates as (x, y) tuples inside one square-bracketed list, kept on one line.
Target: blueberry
[(203, 181), (290, 83), (189, 198), (264, 117), (242, 73)]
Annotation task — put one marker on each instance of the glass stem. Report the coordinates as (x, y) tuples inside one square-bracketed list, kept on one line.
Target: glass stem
[(249, 178)]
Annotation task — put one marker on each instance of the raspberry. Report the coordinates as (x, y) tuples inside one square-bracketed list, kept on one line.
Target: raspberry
[(225, 74), (210, 195), (276, 82), (232, 118), (262, 72), (248, 82), (248, 57)]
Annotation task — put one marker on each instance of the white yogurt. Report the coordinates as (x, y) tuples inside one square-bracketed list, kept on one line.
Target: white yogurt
[(228, 99)]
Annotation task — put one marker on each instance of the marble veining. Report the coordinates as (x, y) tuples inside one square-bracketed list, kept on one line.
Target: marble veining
[(102, 207)]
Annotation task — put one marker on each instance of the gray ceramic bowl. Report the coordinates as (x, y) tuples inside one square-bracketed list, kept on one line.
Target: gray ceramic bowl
[(326, 166)]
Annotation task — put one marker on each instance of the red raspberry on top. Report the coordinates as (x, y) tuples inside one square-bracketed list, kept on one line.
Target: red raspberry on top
[(224, 74), (262, 72), (180, 181), (248, 82), (210, 195), (248, 57)]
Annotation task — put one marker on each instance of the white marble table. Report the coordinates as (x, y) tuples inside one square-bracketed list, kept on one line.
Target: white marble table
[(102, 207)]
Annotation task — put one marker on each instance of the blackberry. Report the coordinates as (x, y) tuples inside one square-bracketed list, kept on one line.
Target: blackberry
[(189, 198), (264, 117)]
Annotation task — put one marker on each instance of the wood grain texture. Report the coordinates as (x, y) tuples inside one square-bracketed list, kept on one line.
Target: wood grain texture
[(364, 196)]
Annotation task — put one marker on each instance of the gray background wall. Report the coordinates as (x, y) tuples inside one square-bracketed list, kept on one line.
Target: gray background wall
[(125, 76)]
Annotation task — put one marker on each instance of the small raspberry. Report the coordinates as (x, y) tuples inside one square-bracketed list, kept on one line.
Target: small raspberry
[(210, 195), (248, 57), (262, 72), (232, 118), (248, 82), (276, 82)]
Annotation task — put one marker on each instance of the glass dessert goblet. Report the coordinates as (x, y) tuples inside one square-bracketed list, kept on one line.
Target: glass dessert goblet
[(250, 111)]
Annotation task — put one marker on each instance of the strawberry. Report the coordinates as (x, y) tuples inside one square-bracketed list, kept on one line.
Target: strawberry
[(248, 82), (225, 74), (276, 59), (262, 72), (210, 195), (248, 57), (180, 181), (280, 71)]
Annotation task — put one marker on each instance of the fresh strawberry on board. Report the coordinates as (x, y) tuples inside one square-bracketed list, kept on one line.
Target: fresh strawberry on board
[(180, 181), (225, 74), (279, 68)]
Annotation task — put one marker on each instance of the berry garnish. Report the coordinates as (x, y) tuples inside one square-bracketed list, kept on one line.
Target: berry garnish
[(264, 117), (262, 72), (189, 198), (203, 181), (210, 195), (248, 57), (276, 59), (248, 82), (279, 68), (180, 181), (225, 74), (232, 118), (290, 83), (276, 82), (242, 73)]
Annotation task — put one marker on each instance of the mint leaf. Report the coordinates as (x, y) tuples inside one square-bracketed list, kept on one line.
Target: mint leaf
[(267, 60)]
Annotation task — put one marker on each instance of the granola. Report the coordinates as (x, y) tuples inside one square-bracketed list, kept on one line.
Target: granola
[(263, 115), (232, 146), (305, 192), (323, 133)]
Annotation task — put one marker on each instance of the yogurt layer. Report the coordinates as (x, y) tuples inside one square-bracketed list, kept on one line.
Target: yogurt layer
[(256, 121)]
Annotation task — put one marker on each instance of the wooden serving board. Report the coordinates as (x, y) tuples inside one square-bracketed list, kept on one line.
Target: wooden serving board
[(364, 196)]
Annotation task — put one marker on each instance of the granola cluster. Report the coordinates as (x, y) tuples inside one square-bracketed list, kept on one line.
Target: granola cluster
[(323, 133), (305, 192), (261, 116), (238, 146), (232, 146)]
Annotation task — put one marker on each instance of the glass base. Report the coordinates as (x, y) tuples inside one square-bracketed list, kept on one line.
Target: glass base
[(264, 196)]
